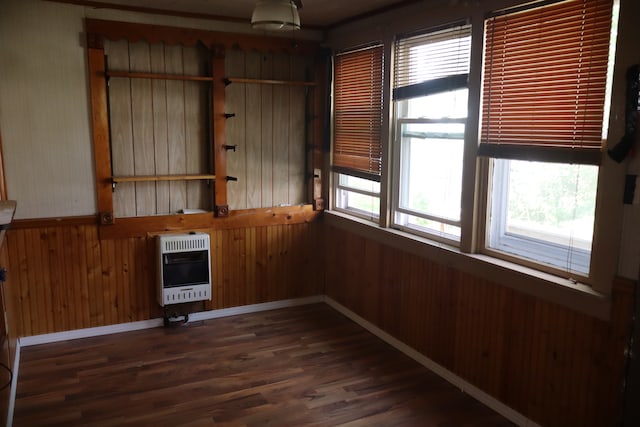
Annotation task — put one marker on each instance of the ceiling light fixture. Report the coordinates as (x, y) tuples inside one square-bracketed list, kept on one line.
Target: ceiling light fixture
[(275, 15)]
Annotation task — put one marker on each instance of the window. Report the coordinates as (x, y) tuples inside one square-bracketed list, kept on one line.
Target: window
[(545, 85), (430, 96), (357, 152), (495, 145)]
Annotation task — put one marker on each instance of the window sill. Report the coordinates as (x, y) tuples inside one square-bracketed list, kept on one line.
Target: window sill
[(558, 290)]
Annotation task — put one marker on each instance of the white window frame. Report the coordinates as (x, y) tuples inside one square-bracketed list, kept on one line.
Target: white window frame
[(400, 168)]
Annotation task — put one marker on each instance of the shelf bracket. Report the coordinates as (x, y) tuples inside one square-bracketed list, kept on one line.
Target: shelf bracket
[(231, 147), (229, 115), (231, 178)]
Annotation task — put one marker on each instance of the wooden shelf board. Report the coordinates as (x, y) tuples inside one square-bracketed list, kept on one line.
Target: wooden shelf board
[(150, 178), (269, 82), (158, 76)]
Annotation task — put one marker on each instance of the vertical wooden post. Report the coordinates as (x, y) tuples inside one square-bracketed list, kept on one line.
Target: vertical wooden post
[(318, 153), (219, 138), (100, 124)]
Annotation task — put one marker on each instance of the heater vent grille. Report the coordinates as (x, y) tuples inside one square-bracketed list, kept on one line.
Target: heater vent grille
[(185, 243)]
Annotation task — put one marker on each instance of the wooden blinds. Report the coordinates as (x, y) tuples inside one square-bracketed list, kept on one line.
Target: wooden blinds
[(545, 78), (432, 62), (358, 112)]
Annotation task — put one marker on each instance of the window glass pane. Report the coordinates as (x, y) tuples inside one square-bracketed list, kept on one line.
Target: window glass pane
[(358, 196), (451, 104), (359, 183), (544, 212), (428, 226), (431, 168)]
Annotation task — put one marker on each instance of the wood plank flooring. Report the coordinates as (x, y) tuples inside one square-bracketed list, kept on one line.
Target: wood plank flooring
[(297, 366)]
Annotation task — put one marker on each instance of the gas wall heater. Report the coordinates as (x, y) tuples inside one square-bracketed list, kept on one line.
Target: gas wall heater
[(184, 268)]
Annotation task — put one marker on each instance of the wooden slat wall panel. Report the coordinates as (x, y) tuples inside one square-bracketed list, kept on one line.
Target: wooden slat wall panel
[(556, 366), (268, 129), (158, 127), (64, 278), (120, 117)]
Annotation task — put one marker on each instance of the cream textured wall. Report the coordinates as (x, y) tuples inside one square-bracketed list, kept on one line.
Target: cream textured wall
[(44, 116)]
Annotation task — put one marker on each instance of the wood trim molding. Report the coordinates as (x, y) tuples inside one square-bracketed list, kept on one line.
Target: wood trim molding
[(218, 118), (165, 12), (143, 226), (115, 30), (70, 221), (100, 125)]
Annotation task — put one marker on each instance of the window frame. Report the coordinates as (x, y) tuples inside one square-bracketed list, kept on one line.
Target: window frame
[(589, 293)]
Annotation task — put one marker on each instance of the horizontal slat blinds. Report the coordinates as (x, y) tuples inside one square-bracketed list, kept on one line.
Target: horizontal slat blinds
[(432, 62), (545, 75), (358, 112)]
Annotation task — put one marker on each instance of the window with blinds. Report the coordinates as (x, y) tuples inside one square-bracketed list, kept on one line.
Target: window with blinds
[(431, 71), (545, 79), (358, 88), (546, 73)]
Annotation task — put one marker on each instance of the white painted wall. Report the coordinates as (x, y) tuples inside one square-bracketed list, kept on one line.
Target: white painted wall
[(44, 116)]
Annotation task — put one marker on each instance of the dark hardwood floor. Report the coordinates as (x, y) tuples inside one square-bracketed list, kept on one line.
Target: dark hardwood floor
[(297, 366)]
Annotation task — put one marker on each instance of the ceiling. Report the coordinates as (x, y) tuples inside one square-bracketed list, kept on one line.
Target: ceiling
[(314, 13)]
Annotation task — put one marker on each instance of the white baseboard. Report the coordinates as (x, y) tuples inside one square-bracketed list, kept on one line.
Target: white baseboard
[(14, 385), (254, 308), (89, 332), (154, 323), (473, 391)]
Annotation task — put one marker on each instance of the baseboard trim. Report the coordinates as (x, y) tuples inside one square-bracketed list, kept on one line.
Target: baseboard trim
[(466, 387), (14, 385), (154, 323), (254, 308), (89, 332)]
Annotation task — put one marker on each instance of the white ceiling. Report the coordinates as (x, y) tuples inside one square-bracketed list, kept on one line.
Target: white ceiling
[(314, 13)]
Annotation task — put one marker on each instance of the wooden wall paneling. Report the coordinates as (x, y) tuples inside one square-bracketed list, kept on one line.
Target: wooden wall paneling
[(122, 151), (160, 128), (217, 267), (197, 101), (236, 129), (267, 91), (249, 256), (94, 278), (281, 130), (254, 134), (57, 287), (556, 366), (110, 280), (261, 257), (176, 127), (17, 273), (297, 131), (81, 287), (142, 124)]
